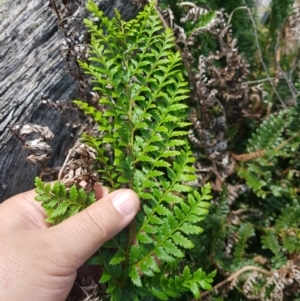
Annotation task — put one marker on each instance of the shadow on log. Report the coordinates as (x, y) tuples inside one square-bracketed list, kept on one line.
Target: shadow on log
[(31, 65)]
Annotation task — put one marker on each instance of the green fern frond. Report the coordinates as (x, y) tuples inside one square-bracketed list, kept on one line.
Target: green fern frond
[(142, 144), (243, 234), (269, 241), (269, 134), (170, 236), (59, 203), (142, 87), (188, 282), (253, 181), (284, 237), (278, 136)]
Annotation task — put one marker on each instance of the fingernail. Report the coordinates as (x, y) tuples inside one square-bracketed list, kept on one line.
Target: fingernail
[(125, 201)]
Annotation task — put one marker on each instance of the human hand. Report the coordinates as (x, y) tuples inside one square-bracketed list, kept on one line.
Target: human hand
[(40, 263)]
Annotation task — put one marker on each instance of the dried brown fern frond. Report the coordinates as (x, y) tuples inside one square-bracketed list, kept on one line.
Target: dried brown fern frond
[(84, 289), (248, 156), (279, 286), (70, 15), (38, 146), (261, 284), (77, 169), (291, 30), (218, 92), (35, 140)]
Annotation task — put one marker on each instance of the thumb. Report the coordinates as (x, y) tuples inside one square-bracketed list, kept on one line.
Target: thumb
[(78, 238)]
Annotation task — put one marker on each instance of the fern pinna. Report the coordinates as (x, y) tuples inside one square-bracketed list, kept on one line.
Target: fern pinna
[(141, 145), (277, 141)]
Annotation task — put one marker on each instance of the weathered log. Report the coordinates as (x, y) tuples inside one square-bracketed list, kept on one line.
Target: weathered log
[(31, 65)]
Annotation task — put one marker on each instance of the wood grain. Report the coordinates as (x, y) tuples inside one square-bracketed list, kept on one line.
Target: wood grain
[(31, 65)]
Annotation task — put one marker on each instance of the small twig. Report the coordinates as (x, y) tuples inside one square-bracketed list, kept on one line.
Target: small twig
[(187, 4), (230, 17), (293, 70), (70, 153), (259, 51), (286, 142), (257, 81), (234, 276), (206, 178), (52, 2), (292, 88), (243, 211), (204, 169)]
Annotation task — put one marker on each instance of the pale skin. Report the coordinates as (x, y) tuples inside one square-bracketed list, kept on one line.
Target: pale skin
[(40, 263)]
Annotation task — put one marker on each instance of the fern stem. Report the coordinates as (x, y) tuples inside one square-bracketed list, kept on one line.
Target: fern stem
[(169, 236), (234, 276), (150, 101), (286, 142), (155, 131), (118, 246), (132, 227), (153, 165), (112, 183), (176, 179), (131, 183)]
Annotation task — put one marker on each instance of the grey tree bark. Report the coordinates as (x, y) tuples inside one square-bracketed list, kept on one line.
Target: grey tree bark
[(31, 65)]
